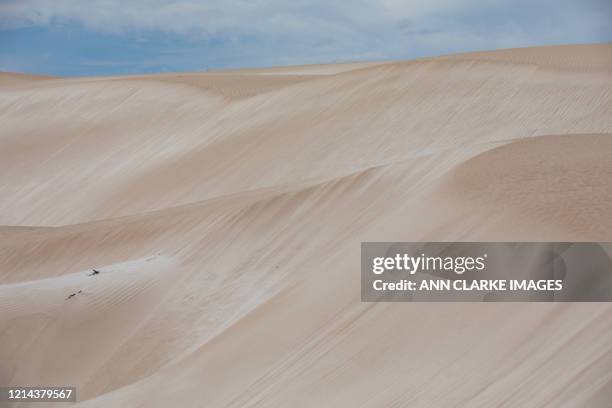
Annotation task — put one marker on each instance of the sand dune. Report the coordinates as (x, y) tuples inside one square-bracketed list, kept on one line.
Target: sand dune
[(225, 211), (9, 79)]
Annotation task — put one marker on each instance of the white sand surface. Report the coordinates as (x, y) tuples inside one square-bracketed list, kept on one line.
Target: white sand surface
[(225, 210)]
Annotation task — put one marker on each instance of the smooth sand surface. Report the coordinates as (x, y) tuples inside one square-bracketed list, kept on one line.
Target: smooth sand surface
[(225, 211)]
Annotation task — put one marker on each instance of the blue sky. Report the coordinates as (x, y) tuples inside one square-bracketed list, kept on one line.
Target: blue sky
[(102, 37)]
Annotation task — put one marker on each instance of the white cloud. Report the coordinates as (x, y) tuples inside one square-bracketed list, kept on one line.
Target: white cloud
[(319, 30), (210, 17), (181, 17)]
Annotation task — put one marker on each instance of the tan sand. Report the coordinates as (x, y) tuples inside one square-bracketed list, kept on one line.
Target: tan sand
[(225, 210)]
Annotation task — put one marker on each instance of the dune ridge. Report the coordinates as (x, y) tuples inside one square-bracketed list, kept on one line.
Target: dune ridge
[(225, 211)]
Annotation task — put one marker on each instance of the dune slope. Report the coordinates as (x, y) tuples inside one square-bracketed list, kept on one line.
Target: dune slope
[(224, 211)]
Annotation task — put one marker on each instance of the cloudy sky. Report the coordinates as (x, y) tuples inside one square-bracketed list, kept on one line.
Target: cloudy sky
[(96, 37)]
